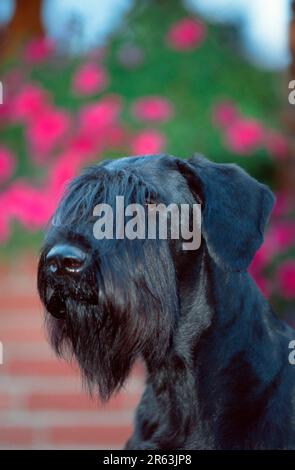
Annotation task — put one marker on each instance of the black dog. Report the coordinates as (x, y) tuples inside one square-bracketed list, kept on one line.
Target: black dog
[(218, 375)]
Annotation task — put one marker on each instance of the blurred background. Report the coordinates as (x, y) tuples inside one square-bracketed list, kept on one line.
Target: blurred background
[(84, 81)]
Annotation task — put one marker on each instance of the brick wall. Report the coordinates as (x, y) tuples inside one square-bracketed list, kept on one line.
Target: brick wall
[(42, 404)]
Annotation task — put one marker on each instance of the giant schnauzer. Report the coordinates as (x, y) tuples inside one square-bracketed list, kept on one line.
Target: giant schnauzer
[(216, 356)]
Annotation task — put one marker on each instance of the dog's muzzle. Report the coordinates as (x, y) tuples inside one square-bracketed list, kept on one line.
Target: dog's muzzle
[(65, 259), (63, 267)]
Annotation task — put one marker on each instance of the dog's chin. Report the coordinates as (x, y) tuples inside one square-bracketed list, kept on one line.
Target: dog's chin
[(106, 322), (86, 335), (106, 339)]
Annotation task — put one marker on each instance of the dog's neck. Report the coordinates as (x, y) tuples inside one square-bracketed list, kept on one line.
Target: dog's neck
[(215, 349)]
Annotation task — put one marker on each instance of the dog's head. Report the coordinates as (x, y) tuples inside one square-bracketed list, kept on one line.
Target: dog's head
[(112, 298)]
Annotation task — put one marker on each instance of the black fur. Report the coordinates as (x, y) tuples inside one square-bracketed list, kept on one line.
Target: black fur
[(218, 375)]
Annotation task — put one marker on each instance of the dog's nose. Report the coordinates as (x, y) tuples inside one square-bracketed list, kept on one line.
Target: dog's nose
[(65, 259)]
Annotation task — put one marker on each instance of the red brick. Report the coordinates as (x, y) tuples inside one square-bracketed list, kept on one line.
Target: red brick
[(100, 435), (19, 335), (15, 435), (5, 401), (68, 401), (77, 401), (21, 324), (28, 317), (10, 302), (46, 367)]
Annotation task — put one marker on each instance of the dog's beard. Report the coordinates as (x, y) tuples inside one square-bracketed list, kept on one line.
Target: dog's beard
[(134, 316)]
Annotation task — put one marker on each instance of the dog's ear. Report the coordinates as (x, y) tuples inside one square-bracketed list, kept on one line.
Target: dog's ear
[(235, 210)]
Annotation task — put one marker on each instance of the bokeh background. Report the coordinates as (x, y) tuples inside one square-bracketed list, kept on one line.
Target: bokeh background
[(112, 78)]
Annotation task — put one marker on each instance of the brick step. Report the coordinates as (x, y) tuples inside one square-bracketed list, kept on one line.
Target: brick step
[(21, 334), (5, 401), (48, 367), (23, 385), (20, 387), (34, 437), (71, 418), (78, 401), (116, 434), (42, 402), (34, 367), (25, 318), (27, 350), (21, 302), (67, 401), (16, 435), (25, 285)]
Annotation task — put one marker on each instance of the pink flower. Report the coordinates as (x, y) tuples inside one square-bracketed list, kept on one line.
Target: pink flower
[(283, 234), (259, 262), (116, 136), (186, 34), (244, 136), (153, 108), (65, 168), (100, 115), (13, 80), (7, 164), (270, 248), (283, 205), (47, 131), (29, 103), (286, 279), (5, 110), (148, 142), (225, 113), (4, 222), (27, 204), (84, 144), (89, 79), (277, 145), (39, 50), (279, 238)]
